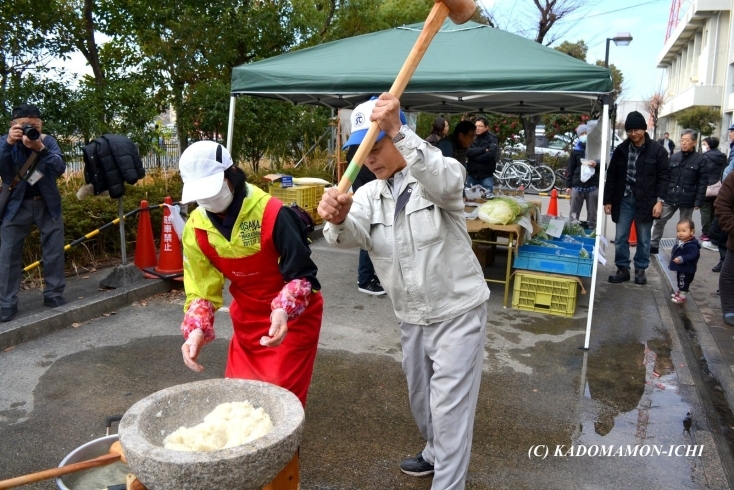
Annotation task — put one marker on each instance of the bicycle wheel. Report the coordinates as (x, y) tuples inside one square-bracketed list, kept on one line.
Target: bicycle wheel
[(560, 179), (516, 174), (544, 178)]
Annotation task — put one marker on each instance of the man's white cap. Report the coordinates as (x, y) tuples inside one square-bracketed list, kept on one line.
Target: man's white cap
[(202, 167)]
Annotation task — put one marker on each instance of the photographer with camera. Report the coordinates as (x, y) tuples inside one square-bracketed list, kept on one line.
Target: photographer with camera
[(30, 163)]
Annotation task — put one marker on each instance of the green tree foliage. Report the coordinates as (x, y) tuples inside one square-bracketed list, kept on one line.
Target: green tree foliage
[(576, 50), (701, 118), (617, 79)]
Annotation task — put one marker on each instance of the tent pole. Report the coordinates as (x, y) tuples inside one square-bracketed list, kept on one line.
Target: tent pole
[(230, 123), (601, 217)]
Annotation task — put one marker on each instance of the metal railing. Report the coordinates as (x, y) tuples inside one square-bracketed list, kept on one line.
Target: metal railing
[(165, 156)]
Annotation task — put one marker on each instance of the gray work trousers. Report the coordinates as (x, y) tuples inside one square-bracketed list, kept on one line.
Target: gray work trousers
[(443, 365), (577, 202), (12, 236), (659, 224)]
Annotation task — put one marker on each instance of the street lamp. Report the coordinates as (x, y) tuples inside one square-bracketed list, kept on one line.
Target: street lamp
[(621, 39)]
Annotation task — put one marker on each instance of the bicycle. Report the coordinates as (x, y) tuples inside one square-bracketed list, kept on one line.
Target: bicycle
[(540, 177)]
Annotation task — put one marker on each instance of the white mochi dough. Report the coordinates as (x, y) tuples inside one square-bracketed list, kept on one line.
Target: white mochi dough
[(228, 425)]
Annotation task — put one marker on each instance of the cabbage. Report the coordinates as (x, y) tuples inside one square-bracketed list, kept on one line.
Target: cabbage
[(500, 210)]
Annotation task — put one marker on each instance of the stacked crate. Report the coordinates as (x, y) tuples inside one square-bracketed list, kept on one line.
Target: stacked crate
[(306, 197)]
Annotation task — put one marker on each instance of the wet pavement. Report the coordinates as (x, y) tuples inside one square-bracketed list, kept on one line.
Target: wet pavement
[(540, 392)]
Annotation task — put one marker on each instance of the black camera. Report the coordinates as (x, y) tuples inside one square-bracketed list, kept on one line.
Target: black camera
[(30, 132)]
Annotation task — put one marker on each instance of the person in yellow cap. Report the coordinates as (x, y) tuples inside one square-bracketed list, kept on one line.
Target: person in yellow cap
[(240, 233)]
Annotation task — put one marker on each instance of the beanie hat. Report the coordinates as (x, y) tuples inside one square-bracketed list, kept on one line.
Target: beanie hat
[(583, 128), (25, 110), (635, 120)]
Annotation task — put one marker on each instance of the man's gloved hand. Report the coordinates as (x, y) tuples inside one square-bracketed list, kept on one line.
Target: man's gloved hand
[(191, 348), (278, 328)]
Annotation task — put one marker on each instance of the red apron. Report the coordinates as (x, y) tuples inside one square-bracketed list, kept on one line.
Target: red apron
[(256, 281)]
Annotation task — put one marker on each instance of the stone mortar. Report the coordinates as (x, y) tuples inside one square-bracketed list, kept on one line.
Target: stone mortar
[(246, 467)]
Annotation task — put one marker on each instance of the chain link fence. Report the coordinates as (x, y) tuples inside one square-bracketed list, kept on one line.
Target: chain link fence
[(165, 156)]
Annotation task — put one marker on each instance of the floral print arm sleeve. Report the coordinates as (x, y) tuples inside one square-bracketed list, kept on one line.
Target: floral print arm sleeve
[(293, 298), (199, 315)]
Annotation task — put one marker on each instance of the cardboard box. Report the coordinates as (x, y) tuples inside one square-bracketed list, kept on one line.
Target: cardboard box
[(485, 253)]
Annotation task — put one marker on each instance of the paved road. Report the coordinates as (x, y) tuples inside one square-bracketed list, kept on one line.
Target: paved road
[(633, 387)]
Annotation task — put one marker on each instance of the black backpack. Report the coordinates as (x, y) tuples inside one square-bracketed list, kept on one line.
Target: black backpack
[(305, 217)]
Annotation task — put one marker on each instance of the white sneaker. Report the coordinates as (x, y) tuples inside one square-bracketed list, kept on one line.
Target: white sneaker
[(710, 246)]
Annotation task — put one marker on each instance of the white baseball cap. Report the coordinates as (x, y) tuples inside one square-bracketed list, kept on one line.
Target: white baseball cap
[(202, 167), (361, 122)]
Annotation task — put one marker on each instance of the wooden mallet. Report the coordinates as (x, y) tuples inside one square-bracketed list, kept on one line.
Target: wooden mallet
[(459, 11), (113, 456)]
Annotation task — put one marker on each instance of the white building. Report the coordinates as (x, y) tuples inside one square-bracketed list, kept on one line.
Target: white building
[(699, 63)]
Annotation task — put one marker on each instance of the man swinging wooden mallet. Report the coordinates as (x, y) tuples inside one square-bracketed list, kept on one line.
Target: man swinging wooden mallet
[(411, 222)]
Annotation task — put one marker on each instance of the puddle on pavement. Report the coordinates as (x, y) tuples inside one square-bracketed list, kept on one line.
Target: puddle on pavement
[(631, 397), (715, 391)]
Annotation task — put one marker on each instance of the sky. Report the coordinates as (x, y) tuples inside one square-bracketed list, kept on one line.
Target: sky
[(645, 20)]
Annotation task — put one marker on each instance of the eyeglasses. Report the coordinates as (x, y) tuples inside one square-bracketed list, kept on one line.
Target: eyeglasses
[(686, 140), (480, 126)]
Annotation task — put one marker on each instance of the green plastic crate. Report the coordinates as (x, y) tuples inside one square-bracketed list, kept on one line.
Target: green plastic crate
[(544, 293)]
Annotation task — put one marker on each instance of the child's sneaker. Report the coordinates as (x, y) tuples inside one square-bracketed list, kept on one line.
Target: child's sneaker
[(680, 298), (673, 295)]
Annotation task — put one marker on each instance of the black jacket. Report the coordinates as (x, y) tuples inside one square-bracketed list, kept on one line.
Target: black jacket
[(671, 145), (573, 172), (651, 179), (110, 161), (481, 156), (451, 148), (716, 162), (688, 180)]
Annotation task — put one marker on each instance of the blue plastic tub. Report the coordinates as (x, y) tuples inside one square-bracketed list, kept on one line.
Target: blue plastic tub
[(563, 260)]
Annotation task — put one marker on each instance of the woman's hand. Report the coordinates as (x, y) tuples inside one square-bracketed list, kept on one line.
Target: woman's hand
[(278, 329), (191, 348)]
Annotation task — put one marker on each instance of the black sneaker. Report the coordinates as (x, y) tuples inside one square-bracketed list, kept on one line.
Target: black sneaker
[(7, 314), (416, 466), (373, 287), (622, 275), (654, 250), (640, 277), (54, 302), (717, 267)]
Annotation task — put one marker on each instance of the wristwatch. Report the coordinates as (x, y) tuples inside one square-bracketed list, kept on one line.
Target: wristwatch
[(401, 134), (661, 200)]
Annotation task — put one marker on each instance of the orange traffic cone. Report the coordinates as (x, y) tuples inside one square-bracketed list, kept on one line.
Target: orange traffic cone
[(144, 244), (633, 235), (170, 261), (553, 206)]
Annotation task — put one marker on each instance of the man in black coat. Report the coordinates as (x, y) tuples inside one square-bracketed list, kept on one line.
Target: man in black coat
[(481, 157), (686, 188), (715, 164), (667, 143), (635, 189)]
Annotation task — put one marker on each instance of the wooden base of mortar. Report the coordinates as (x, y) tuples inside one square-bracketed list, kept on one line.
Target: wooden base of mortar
[(288, 478)]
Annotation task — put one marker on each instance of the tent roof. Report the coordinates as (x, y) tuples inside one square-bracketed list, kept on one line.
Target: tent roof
[(470, 67)]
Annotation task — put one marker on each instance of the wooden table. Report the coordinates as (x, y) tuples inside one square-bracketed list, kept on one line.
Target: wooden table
[(486, 233)]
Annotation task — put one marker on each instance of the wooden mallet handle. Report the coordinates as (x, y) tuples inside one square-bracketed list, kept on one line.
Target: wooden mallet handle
[(460, 11), (114, 455)]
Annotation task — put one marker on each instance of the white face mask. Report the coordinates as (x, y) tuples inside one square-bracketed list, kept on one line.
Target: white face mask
[(219, 202), (704, 148), (582, 138)]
